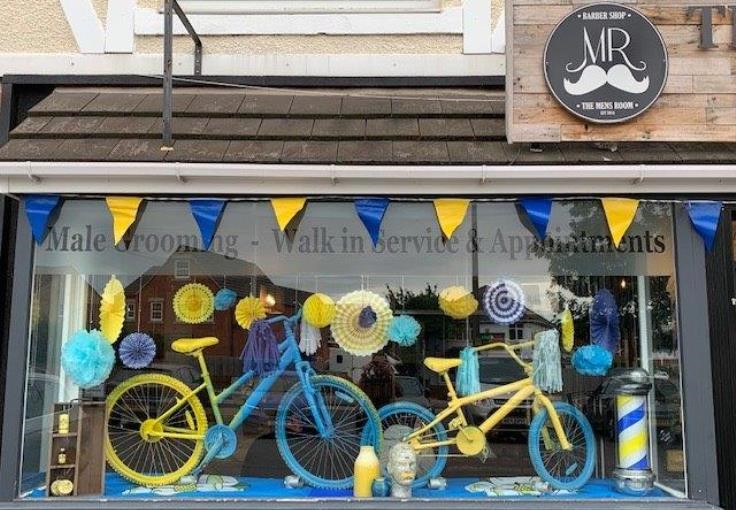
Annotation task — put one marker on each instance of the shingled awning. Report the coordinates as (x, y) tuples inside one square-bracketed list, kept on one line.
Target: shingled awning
[(310, 126)]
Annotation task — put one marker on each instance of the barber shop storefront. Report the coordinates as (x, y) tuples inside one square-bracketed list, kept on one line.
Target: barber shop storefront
[(390, 298)]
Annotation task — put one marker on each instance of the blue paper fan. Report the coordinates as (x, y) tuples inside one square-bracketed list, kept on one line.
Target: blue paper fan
[(604, 322)]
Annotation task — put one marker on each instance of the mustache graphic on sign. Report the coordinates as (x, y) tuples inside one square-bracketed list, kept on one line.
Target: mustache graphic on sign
[(594, 77)]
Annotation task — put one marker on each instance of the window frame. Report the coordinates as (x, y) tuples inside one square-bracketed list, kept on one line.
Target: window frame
[(151, 303), (182, 276)]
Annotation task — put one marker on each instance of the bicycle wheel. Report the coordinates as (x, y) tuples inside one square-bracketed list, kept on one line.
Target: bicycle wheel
[(326, 461), (400, 419), (563, 469), (131, 410)]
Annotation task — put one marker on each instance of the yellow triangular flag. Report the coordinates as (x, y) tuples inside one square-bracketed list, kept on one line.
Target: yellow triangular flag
[(450, 213), (124, 211), (286, 208), (620, 212)]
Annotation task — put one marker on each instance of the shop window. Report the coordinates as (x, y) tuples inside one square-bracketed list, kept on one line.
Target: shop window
[(254, 272)]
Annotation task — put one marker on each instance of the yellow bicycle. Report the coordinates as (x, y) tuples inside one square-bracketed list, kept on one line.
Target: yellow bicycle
[(561, 440)]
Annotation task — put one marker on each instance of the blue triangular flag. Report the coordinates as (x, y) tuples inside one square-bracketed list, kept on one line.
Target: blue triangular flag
[(38, 211), (538, 210), (705, 216), (371, 211), (207, 213)]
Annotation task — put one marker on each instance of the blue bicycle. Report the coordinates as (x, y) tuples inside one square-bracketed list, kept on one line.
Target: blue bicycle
[(157, 428)]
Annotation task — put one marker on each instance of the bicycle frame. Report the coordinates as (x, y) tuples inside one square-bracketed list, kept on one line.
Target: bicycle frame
[(289, 354), (521, 389)]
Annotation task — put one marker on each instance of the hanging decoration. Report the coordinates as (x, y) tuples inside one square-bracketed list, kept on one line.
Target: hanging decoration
[(450, 213), (604, 322), (705, 216), (371, 212), (457, 302), (39, 209), (319, 310), (124, 211), (547, 361), (620, 213), (504, 302), (467, 378), (137, 350), (567, 328), (361, 322), (87, 358), (225, 299), (538, 210), (249, 309), (261, 351), (112, 310), (404, 330), (310, 338), (207, 214), (194, 303), (592, 360), (286, 209)]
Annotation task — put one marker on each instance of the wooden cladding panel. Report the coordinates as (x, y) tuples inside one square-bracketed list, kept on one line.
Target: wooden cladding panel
[(698, 102)]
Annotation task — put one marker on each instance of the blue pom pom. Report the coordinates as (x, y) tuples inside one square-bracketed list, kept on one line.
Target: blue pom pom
[(404, 330), (87, 358), (137, 350), (592, 360), (225, 299)]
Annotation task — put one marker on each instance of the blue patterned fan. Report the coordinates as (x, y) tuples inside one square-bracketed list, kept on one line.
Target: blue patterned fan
[(604, 323)]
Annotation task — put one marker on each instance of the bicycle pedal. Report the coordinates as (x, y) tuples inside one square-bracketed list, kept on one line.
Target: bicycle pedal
[(485, 454), (456, 423)]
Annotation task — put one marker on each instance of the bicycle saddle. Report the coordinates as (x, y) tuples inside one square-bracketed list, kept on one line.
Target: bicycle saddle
[(441, 365), (191, 345)]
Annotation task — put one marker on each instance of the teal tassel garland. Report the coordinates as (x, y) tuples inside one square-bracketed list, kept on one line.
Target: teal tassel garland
[(467, 379), (546, 362)]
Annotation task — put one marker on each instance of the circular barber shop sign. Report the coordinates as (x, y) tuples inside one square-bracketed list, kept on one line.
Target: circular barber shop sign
[(605, 63)]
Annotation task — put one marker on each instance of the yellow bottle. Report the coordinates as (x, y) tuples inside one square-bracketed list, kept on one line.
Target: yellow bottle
[(367, 469), (64, 423)]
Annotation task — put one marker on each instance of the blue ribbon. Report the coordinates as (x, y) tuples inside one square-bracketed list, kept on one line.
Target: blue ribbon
[(538, 210), (38, 210), (371, 211), (207, 213), (704, 216)]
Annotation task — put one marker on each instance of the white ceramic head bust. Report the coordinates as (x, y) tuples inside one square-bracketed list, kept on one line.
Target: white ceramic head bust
[(402, 468)]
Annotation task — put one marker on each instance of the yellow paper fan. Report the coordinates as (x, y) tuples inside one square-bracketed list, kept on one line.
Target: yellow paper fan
[(112, 310), (355, 335), (567, 328), (249, 309), (194, 303), (319, 310), (457, 302)]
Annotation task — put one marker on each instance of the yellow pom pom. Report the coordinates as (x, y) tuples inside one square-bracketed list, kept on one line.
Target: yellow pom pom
[(458, 302), (194, 303), (568, 330), (249, 309), (319, 310)]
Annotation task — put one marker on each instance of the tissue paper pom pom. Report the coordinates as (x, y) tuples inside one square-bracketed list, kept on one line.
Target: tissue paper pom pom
[(249, 309), (194, 303), (457, 302), (404, 330), (592, 360), (137, 350), (567, 327), (319, 310), (87, 358), (225, 299)]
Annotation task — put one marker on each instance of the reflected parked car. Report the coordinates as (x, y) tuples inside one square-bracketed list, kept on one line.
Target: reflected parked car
[(496, 371)]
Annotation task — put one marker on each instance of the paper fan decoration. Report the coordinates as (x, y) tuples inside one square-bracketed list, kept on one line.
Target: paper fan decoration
[(137, 350), (604, 323), (361, 322), (319, 310), (404, 330), (194, 303), (112, 310), (457, 302), (249, 309), (225, 299), (567, 328), (504, 302)]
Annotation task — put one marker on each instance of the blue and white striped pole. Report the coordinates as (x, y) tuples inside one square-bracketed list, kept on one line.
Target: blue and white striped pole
[(633, 472)]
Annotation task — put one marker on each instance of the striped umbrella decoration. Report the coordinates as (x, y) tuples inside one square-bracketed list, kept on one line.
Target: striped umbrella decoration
[(504, 302)]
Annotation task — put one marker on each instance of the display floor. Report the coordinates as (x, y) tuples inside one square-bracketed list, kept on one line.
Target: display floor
[(228, 487)]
